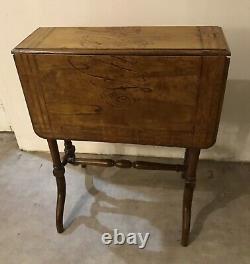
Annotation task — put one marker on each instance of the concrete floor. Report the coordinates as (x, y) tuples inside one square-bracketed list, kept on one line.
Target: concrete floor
[(130, 200)]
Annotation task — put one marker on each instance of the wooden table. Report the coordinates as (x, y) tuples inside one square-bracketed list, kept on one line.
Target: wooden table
[(159, 86)]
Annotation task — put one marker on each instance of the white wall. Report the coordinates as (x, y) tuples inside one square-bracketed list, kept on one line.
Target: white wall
[(19, 18), (4, 122)]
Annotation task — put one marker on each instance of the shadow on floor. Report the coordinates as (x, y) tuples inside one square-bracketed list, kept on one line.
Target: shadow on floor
[(224, 181)]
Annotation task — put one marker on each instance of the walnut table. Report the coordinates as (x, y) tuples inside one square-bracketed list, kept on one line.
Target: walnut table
[(159, 86)]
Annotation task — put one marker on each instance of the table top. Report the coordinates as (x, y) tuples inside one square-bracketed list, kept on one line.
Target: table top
[(158, 40)]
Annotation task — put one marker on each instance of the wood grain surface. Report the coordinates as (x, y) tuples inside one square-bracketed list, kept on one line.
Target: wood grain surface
[(192, 40), (155, 100)]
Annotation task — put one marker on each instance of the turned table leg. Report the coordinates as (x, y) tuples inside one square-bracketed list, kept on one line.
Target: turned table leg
[(191, 161), (58, 172), (69, 150)]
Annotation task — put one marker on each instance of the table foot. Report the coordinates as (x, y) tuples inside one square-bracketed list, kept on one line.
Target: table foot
[(61, 194), (191, 160), (58, 172)]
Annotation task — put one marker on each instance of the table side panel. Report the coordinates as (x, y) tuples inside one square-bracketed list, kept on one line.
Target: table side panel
[(152, 100), (33, 93), (211, 94)]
